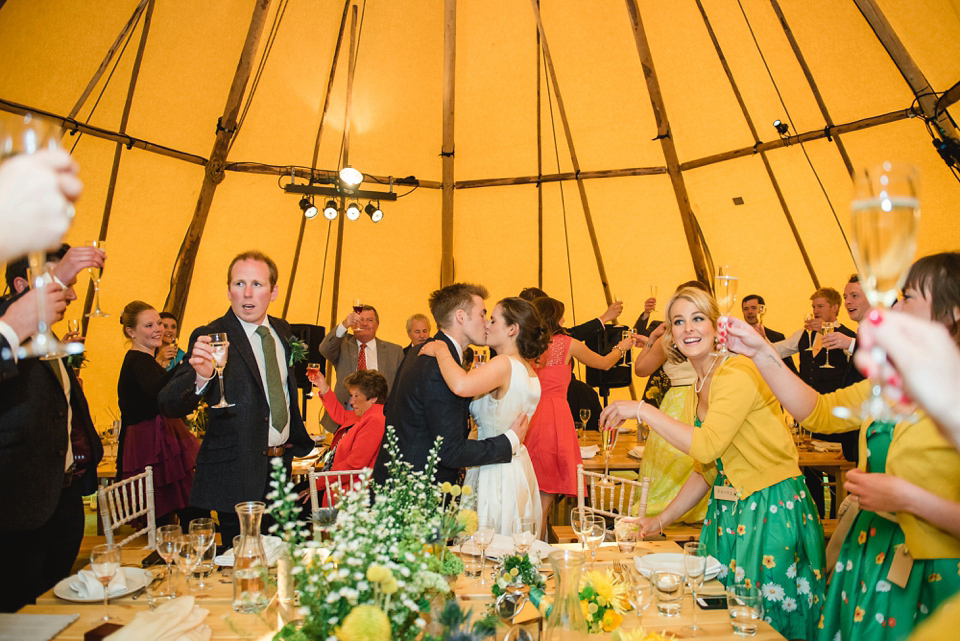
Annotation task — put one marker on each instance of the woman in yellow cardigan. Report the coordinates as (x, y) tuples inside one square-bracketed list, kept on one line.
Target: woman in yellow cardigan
[(901, 557), (761, 524)]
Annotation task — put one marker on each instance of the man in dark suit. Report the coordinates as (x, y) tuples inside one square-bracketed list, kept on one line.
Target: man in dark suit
[(857, 306), (753, 315), (421, 407), (233, 464), (583, 331), (49, 449), (343, 350)]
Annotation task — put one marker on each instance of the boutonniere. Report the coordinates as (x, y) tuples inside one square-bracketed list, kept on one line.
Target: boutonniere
[(76, 361), (298, 351)]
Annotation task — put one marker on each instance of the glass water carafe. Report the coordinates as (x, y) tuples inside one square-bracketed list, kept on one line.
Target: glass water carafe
[(249, 561), (565, 620)]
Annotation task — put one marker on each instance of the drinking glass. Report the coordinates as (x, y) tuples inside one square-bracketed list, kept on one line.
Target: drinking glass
[(745, 608), (73, 326), (312, 370), (761, 310), (95, 279), (581, 428), (809, 348), (483, 537), (578, 520), (638, 587), (472, 564), (826, 329), (188, 556), (667, 588), (105, 563), (206, 533), (694, 568), (584, 416), (608, 441), (725, 287), (219, 343), (524, 534), (168, 539), (886, 213), (594, 531), (479, 358), (357, 306), (626, 533)]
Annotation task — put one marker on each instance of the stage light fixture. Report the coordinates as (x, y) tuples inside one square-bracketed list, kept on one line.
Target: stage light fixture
[(308, 208), (353, 210), (781, 127), (350, 178), (374, 212), (330, 210)]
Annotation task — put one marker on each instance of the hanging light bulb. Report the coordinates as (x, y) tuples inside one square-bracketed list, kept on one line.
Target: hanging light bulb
[(374, 212), (330, 210), (353, 211), (309, 210), (350, 178)]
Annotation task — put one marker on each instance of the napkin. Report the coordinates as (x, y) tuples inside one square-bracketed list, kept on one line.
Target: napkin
[(88, 586), (176, 620), (502, 546), (589, 451), (272, 545), (825, 446), (636, 452), (627, 429)]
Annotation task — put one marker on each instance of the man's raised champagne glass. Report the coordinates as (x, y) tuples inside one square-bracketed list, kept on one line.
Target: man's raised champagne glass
[(807, 319), (725, 289), (95, 279), (219, 343), (885, 216), (826, 329)]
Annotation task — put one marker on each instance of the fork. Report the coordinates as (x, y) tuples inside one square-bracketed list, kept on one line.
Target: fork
[(618, 568)]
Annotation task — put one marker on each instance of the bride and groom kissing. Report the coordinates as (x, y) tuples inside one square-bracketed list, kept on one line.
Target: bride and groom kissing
[(432, 396)]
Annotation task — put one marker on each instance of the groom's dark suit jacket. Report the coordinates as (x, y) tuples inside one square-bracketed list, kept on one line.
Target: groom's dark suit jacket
[(421, 407), (231, 465)]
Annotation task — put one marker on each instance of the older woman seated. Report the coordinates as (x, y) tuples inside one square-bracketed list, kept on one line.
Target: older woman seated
[(357, 442)]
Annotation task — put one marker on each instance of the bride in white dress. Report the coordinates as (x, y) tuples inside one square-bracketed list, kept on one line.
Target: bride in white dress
[(505, 388)]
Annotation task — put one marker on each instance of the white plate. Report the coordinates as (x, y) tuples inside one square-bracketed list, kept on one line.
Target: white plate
[(502, 545), (628, 429), (136, 578), (674, 563)]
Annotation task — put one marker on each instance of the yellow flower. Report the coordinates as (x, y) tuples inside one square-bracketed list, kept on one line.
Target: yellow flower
[(592, 608), (467, 490), (611, 620), (455, 491), (365, 623), (515, 571), (933, 578), (880, 558), (741, 529), (611, 590), (862, 538), (445, 488), (820, 623), (768, 561), (389, 585), (468, 519), (377, 573), (816, 573), (858, 613), (584, 607), (747, 582)]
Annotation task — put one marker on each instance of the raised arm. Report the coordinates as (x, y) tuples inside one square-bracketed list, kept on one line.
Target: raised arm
[(652, 355), (591, 359), (479, 380)]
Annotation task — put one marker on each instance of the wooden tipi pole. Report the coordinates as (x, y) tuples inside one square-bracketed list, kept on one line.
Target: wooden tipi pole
[(763, 154), (214, 174), (447, 269), (539, 173), (701, 265)]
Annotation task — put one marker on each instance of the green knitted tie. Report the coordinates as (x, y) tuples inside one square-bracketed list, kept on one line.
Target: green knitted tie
[(278, 402)]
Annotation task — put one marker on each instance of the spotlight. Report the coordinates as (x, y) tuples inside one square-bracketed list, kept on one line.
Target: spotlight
[(350, 178), (309, 210), (353, 211), (330, 210), (374, 212), (781, 127)]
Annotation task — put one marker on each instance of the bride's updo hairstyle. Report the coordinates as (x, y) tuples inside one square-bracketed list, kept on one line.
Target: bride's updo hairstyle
[(938, 277), (532, 337), (128, 318), (551, 312), (704, 303)]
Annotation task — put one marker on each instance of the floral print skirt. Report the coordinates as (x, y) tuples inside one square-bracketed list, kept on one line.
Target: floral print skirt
[(772, 539), (863, 604)]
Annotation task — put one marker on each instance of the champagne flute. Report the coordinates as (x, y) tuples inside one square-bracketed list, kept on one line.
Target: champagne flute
[(483, 537), (95, 278), (594, 531), (188, 556), (826, 329), (204, 530), (105, 563), (479, 358), (807, 319), (524, 534), (761, 310), (608, 441), (886, 213), (694, 567), (312, 370), (219, 343), (725, 287)]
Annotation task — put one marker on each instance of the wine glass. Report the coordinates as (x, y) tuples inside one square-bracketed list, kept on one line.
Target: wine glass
[(204, 530), (694, 567), (168, 538), (219, 343), (584, 415), (594, 531), (638, 585), (479, 358), (826, 329), (725, 287), (608, 441), (626, 533), (105, 563), (483, 537), (94, 272), (357, 305), (886, 213), (807, 319), (578, 519), (188, 555), (312, 370), (524, 534)]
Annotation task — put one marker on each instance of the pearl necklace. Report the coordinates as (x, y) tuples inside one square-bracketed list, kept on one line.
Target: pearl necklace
[(701, 382)]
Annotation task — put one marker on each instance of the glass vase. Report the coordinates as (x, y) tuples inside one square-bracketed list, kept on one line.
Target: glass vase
[(249, 561), (565, 620)]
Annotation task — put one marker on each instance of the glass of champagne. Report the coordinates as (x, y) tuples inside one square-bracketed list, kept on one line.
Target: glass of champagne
[(725, 287), (219, 343), (584, 415), (761, 310), (524, 534), (886, 214), (594, 531), (105, 563), (312, 370), (608, 441), (95, 279), (826, 329), (694, 567), (483, 537), (807, 319), (205, 532), (168, 539)]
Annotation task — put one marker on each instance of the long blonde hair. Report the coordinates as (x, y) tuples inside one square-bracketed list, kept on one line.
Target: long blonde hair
[(704, 303)]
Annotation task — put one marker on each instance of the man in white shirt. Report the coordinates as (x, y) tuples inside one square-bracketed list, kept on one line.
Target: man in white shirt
[(360, 350)]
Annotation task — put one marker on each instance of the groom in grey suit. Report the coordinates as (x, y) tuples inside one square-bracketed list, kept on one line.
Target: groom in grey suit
[(343, 350)]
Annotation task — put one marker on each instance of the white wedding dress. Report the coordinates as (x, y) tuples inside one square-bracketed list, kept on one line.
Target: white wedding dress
[(507, 492)]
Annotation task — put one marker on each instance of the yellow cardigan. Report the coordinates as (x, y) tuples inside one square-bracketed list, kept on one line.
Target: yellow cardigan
[(744, 428), (918, 454)]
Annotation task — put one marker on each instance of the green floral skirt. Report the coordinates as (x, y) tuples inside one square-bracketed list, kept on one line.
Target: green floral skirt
[(863, 604), (772, 539)]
